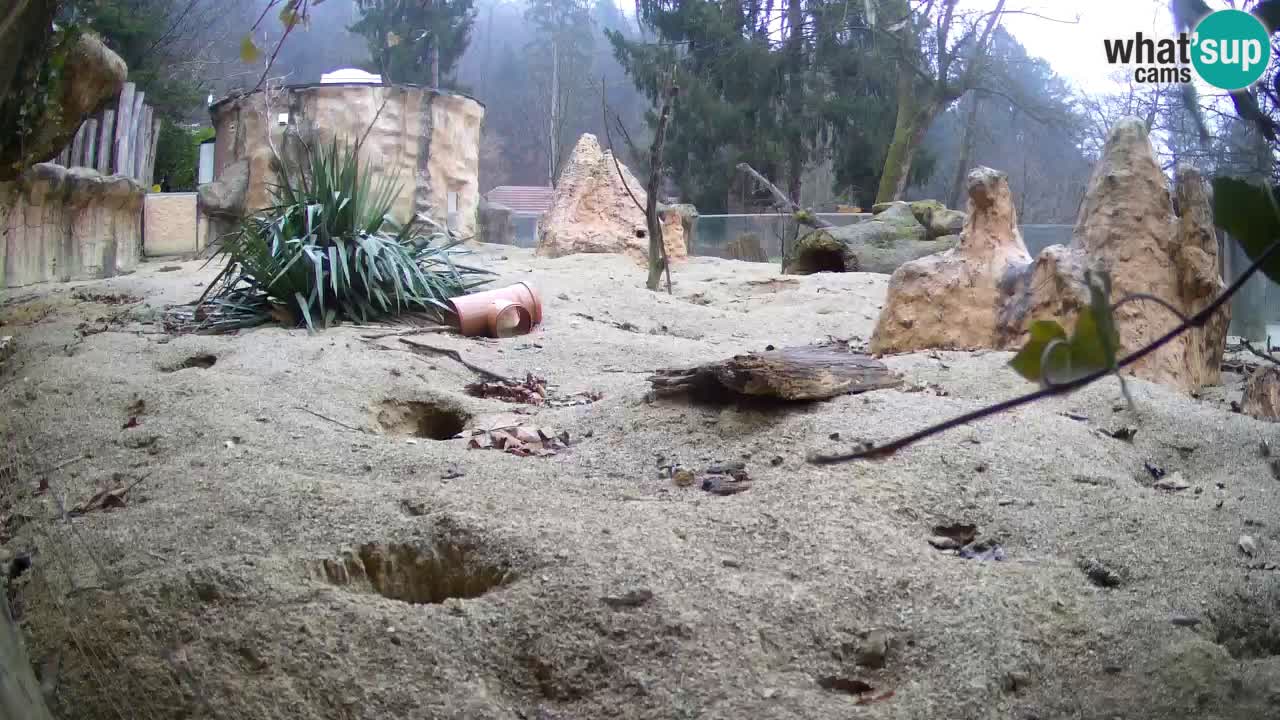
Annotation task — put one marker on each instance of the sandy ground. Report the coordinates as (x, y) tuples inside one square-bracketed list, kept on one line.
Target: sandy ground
[(219, 591)]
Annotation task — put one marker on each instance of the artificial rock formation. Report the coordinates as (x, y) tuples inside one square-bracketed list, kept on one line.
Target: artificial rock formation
[(426, 140), (62, 224), (951, 299), (592, 212), (92, 74), (898, 233), (986, 292)]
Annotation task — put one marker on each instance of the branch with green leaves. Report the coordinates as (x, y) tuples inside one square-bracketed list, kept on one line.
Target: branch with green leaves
[(1063, 364)]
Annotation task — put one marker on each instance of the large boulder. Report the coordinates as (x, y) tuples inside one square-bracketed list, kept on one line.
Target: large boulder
[(74, 224), (224, 201), (593, 212), (986, 292), (871, 246), (1127, 225), (951, 299), (91, 74)]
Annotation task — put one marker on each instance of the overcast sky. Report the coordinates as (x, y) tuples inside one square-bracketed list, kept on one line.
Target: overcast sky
[(1075, 50)]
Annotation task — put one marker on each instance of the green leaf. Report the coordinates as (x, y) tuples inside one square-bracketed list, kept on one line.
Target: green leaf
[(1247, 213), (1028, 360), (249, 52)]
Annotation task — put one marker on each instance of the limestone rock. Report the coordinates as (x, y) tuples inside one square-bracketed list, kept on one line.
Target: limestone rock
[(592, 211), (494, 224), (871, 246), (688, 215), (985, 293), (427, 140), (91, 75), (924, 209), (1261, 398), (952, 299), (1127, 225), (65, 224), (225, 197)]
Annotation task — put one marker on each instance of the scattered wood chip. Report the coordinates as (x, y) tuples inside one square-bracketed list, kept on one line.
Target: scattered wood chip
[(113, 495), (532, 391), (517, 440)]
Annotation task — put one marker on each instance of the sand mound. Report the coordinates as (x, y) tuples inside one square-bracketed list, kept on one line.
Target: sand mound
[(295, 544)]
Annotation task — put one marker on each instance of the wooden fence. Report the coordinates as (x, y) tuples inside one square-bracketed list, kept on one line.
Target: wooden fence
[(119, 140)]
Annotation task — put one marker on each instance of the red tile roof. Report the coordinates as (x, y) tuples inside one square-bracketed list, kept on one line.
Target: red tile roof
[(522, 199)]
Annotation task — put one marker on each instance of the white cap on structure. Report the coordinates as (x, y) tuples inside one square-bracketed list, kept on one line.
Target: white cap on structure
[(350, 75)]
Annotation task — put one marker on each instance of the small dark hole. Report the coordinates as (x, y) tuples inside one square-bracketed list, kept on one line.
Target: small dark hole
[(202, 362), (414, 418), (415, 574), (640, 234)]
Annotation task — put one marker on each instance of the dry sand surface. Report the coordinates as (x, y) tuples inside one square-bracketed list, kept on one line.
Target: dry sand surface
[(600, 589)]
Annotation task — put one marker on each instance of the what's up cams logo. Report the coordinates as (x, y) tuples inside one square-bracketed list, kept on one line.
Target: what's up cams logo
[(1229, 49)]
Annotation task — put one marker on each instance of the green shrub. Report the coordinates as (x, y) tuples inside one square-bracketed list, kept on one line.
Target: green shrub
[(327, 250)]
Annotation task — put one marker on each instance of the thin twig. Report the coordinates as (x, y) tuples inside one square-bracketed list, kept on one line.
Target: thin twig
[(339, 423), (457, 357), (604, 105), (401, 333), (1197, 320)]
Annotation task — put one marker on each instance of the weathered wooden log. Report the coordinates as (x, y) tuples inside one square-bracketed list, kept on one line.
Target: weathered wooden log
[(802, 373), (1261, 397)]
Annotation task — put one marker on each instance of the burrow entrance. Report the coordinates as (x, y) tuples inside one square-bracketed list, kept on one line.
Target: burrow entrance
[(418, 418), (1248, 625), (203, 361), (417, 574), (816, 259)]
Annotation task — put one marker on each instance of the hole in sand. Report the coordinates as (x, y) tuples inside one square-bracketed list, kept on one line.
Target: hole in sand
[(818, 260), (415, 574), (1249, 627), (203, 362), (415, 418)]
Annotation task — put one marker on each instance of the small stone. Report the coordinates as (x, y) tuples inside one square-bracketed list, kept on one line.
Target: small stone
[(1247, 545), (411, 441), (731, 563), (768, 693), (873, 649), (1016, 680), (776, 460), (834, 436), (1002, 502), (942, 542), (1185, 620), (683, 476)]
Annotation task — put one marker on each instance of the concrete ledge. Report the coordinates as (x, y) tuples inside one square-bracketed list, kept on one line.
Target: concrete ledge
[(61, 224)]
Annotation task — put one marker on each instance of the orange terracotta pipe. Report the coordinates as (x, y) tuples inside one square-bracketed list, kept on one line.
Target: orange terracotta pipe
[(501, 312)]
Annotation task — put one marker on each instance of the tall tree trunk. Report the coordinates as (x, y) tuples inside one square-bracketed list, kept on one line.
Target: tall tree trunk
[(658, 261), (917, 107), (435, 65), (553, 144), (966, 152)]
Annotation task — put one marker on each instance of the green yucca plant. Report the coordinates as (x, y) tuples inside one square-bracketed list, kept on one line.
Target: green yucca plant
[(327, 249)]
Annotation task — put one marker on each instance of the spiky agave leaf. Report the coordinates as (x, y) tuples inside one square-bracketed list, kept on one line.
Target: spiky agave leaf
[(327, 249)]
